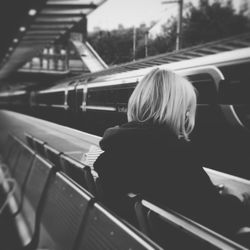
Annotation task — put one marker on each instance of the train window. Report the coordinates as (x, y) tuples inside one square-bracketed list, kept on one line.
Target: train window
[(235, 89), (4, 100), (206, 88), (19, 99), (234, 92), (51, 98), (97, 97), (112, 96), (123, 95)]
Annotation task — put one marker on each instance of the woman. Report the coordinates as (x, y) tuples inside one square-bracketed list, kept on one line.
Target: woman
[(153, 155)]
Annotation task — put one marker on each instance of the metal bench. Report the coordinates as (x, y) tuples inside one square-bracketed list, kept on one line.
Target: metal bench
[(103, 230), (78, 172), (39, 146), (13, 154), (65, 208), (30, 140), (22, 169), (5, 150), (165, 227), (24, 224), (53, 155)]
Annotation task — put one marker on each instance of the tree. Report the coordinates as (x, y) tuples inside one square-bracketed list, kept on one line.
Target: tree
[(209, 22), (204, 23), (166, 41), (116, 46)]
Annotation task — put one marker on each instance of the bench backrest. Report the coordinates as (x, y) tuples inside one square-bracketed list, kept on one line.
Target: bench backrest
[(30, 140), (52, 155), (103, 230), (35, 187), (65, 206), (39, 146), (23, 164), (7, 147), (22, 169), (165, 227), (78, 172), (13, 154)]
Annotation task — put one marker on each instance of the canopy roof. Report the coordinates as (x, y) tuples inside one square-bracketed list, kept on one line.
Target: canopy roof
[(29, 26)]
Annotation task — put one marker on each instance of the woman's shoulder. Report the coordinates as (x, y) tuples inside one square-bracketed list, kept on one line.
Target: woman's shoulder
[(146, 134)]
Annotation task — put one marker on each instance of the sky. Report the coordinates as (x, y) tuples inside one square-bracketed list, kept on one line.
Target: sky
[(133, 12), (128, 13)]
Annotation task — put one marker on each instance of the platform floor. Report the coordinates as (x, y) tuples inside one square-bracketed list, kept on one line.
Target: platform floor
[(70, 141)]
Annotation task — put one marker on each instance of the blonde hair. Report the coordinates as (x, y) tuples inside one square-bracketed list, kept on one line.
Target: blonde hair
[(166, 98)]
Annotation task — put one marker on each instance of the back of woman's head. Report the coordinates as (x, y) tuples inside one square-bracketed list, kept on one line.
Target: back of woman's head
[(165, 98)]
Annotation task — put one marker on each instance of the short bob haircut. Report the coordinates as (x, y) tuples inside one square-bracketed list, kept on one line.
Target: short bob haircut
[(165, 98)]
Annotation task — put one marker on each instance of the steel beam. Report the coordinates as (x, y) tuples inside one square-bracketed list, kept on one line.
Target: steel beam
[(60, 15), (44, 27), (43, 32), (64, 6), (57, 20)]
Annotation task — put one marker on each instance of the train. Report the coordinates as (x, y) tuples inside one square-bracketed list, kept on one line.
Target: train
[(95, 101), (109, 93)]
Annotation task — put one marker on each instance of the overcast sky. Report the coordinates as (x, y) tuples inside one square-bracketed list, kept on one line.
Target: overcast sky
[(132, 12)]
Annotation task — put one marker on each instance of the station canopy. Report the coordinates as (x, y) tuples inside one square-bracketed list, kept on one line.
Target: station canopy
[(28, 26)]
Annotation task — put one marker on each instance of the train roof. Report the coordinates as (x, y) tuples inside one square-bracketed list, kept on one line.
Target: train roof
[(221, 59), (228, 51), (201, 51)]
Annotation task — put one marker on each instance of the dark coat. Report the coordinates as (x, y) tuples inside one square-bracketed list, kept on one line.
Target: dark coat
[(151, 160)]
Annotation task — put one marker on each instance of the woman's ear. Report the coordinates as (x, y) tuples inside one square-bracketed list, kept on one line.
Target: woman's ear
[(187, 117)]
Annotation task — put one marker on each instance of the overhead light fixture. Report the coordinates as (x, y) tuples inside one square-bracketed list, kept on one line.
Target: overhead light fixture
[(15, 40), (63, 52), (32, 12), (22, 29), (10, 48)]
